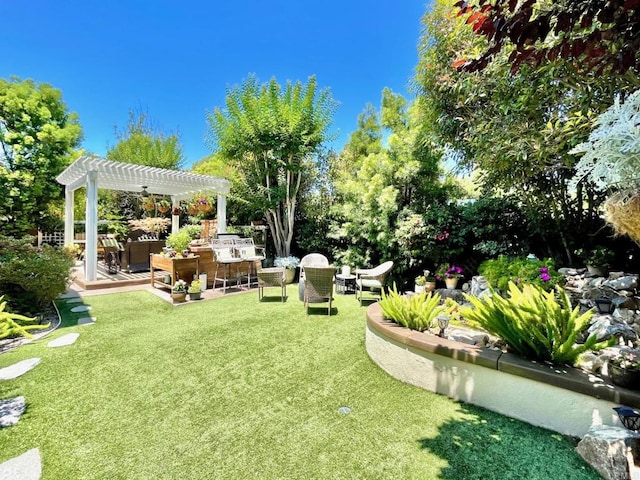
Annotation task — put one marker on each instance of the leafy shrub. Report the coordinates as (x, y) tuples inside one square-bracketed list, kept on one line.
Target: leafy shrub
[(32, 277), (416, 312), (180, 240), (535, 324), (499, 272), (13, 325)]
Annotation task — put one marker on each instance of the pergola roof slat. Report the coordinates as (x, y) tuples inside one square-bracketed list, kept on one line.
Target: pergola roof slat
[(131, 178)]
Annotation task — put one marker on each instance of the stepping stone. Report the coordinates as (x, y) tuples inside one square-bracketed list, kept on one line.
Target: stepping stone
[(63, 341), (11, 410), (27, 466), (75, 300), (69, 295), (18, 369), (86, 321), (81, 308)]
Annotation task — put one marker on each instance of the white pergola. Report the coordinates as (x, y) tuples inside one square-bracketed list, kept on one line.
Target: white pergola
[(93, 172)]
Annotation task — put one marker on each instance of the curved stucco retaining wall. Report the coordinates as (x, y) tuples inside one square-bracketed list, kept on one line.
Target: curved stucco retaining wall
[(479, 376)]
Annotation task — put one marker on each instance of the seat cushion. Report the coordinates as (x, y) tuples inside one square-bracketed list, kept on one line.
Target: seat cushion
[(369, 283)]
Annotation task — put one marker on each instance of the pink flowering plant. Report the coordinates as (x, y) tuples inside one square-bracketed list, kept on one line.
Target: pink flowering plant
[(447, 270)]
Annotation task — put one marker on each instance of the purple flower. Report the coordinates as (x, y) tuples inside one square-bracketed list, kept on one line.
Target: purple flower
[(545, 277), (544, 270)]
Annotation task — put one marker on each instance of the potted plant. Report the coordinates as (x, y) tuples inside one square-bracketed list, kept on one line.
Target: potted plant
[(420, 283), (148, 204), (624, 369), (163, 206), (192, 209), (597, 260), (176, 210), (450, 274), (179, 291), (203, 203), (195, 290), (430, 281), (290, 264)]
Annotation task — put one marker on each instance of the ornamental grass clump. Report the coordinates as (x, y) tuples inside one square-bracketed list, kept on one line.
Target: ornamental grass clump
[(536, 324), (416, 312)]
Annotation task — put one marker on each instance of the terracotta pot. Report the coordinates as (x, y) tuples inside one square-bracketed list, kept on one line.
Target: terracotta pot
[(429, 286), (624, 377), (163, 209), (452, 283), (179, 297)]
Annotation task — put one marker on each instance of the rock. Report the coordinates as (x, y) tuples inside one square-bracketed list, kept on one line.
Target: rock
[(623, 283), (81, 308), (567, 271), (11, 410), (630, 302), (63, 341), (86, 321), (27, 466), (615, 275), (479, 286), (590, 362), (624, 315), (604, 328), (609, 450), (18, 369)]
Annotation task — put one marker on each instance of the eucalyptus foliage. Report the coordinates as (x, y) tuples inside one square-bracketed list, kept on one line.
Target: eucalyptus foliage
[(536, 324), (611, 156), (416, 312)]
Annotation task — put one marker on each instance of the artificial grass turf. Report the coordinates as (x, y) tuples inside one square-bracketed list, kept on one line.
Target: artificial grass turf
[(234, 388)]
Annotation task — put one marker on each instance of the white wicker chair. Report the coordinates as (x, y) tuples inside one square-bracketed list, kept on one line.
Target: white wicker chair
[(310, 260), (372, 280)]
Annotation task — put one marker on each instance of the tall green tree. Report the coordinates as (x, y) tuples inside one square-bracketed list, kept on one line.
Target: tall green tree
[(37, 137), (143, 143), (516, 127), (378, 187), (272, 135)]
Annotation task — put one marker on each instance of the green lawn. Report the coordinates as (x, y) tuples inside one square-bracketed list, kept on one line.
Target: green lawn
[(235, 389)]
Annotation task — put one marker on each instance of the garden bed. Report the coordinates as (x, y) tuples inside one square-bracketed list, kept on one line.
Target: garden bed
[(566, 399)]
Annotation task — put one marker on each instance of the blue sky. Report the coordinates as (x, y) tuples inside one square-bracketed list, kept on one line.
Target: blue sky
[(175, 60)]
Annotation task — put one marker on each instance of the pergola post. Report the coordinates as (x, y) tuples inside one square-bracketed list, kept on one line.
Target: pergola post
[(175, 219), (91, 216), (68, 215), (222, 213)]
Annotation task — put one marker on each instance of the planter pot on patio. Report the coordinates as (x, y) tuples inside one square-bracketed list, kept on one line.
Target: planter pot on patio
[(179, 297), (429, 286), (419, 288), (195, 295)]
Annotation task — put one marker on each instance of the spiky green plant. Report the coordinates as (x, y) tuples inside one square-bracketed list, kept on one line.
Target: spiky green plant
[(9, 326), (416, 312), (535, 324)]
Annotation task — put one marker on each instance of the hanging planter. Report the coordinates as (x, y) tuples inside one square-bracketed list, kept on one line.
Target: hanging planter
[(192, 209), (163, 206), (622, 210), (176, 210), (149, 205)]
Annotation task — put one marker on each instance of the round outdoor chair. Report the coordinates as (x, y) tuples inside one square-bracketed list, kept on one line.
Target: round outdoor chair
[(372, 280)]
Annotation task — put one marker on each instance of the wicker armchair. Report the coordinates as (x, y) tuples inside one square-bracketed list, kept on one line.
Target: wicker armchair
[(318, 285), (310, 260), (372, 280), (272, 277)]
